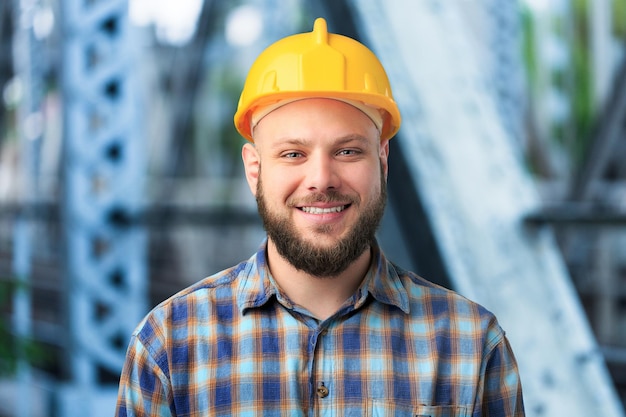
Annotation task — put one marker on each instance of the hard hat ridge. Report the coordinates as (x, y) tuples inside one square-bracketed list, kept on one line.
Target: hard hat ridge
[(320, 29)]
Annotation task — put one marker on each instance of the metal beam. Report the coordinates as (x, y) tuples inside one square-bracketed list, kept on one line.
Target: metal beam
[(185, 78), (27, 51), (104, 168), (571, 214), (405, 202), (160, 216), (606, 148), (477, 193)]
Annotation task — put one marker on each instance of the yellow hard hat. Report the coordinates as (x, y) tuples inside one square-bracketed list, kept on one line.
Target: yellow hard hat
[(317, 64)]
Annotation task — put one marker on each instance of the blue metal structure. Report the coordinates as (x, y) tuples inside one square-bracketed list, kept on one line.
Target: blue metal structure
[(27, 50), (460, 138), (477, 193), (104, 174)]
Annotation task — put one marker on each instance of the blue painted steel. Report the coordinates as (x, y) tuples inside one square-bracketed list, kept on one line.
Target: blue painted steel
[(104, 162), (477, 193)]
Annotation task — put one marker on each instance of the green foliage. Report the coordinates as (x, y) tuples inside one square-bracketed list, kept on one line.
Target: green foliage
[(529, 46), (230, 141), (583, 111), (619, 23), (13, 348), (575, 80)]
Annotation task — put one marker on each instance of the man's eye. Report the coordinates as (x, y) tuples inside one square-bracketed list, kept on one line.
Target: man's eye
[(348, 152), (292, 155)]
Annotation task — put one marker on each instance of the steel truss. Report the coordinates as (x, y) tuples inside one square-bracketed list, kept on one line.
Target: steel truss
[(104, 172), (478, 193)]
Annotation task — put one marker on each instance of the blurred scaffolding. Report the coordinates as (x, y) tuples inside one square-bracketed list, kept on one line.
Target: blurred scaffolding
[(121, 181)]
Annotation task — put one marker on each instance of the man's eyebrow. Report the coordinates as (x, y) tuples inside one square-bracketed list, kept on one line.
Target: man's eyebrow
[(351, 138), (281, 143)]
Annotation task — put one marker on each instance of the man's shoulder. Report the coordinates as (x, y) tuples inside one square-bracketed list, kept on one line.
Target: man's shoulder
[(441, 300), (418, 286), (449, 312), (220, 280), (216, 283), (195, 299)]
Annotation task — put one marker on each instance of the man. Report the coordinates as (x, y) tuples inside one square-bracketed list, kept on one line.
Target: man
[(318, 321)]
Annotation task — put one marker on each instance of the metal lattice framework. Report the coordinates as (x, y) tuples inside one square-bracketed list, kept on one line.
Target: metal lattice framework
[(104, 171), (477, 194), (28, 67)]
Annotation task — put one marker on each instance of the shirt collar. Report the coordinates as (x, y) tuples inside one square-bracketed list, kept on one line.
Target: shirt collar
[(255, 287), (382, 282)]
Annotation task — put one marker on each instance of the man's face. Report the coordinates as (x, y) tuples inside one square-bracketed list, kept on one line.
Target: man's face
[(321, 190)]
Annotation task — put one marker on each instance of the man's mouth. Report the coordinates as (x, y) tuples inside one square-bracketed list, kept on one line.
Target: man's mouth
[(323, 210)]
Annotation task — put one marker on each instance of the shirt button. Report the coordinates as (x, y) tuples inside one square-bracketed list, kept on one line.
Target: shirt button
[(322, 391)]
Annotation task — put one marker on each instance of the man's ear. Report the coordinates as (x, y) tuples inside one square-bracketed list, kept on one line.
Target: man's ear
[(384, 156), (252, 165)]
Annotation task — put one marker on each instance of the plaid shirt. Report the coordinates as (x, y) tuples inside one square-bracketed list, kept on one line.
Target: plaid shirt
[(233, 345)]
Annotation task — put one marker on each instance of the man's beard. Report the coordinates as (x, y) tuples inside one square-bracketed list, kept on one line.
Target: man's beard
[(323, 261)]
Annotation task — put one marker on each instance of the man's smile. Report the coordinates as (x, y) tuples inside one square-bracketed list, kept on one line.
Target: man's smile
[(323, 210)]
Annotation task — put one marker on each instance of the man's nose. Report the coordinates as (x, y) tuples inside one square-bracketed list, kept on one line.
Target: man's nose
[(322, 173)]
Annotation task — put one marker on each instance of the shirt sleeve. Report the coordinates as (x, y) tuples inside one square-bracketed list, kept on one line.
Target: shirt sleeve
[(500, 393), (144, 388)]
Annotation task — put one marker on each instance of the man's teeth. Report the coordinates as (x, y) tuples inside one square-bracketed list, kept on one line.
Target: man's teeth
[(318, 210)]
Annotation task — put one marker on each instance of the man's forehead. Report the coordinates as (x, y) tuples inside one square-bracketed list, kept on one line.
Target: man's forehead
[(308, 119), (372, 113)]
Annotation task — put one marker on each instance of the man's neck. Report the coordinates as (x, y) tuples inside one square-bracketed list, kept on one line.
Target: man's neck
[(322, 296)]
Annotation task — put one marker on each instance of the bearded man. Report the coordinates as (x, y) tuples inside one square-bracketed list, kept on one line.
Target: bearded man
[(318, 321)]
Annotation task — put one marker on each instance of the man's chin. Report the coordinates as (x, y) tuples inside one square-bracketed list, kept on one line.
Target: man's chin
[(321, 240), (318, 242)]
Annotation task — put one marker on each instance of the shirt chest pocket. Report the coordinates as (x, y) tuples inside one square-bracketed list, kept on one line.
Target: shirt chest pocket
[(381, 408)]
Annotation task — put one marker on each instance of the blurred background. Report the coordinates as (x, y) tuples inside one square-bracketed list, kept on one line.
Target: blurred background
[(121, 181)]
